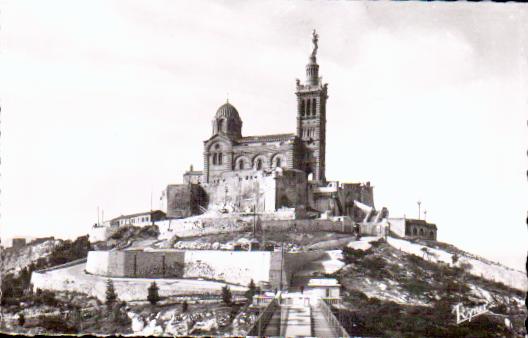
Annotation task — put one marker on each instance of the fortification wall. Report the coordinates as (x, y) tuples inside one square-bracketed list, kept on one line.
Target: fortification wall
[(97, 262), (135, 263), (128, 289), (237, 267), (241, 190), (179, 200), (291, 189), (307, 225)]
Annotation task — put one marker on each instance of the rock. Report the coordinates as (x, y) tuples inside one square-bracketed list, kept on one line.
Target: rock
[(152, 329), (138, 324)]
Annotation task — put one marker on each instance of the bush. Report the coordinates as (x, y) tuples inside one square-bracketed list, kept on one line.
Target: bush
[(252, 290), (45, 297), (56, 324), (227, 297), (153, 295), (351, 255), (21, 319), (111, 295)]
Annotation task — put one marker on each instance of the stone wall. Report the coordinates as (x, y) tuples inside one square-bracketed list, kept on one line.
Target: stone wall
[(179, 200), (242, 190), (397, 226), (307, 225), (184, 200), (134, 263), (128, 289), (291, 189), (97, 262), (236, 267)]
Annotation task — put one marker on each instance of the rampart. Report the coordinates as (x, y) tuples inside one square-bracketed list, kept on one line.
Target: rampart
[(236, 267), (307, 225)]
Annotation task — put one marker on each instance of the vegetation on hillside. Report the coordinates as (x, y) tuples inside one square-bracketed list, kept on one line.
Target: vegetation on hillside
[(390, 293), (14, 286)]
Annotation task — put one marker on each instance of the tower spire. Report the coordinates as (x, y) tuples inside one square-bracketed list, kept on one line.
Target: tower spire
[(312, 68), (315, 39)]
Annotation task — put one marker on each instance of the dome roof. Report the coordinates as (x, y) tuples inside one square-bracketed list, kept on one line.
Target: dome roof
[(228, 111)]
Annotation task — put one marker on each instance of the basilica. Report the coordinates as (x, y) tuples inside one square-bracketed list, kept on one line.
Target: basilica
[(268, 173)]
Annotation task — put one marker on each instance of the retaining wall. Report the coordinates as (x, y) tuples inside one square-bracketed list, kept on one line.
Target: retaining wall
[(237, 267), (309, 225)]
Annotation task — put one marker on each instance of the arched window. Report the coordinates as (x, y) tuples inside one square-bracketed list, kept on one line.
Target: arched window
[(308, 107), (421, 232), (278, 163), (302, 108), (241, 164), (314, 105), (220, 158), (259, 164), (220, 126), (415, 232), (431, 235), (214, 159)]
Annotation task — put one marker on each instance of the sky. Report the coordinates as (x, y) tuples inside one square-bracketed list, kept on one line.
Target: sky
[(104, 103)]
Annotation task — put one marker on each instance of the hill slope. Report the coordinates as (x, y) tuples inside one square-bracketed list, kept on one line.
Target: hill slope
[(391, 292)]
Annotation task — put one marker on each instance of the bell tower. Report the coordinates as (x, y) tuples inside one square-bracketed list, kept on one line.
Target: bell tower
[(311, 117)]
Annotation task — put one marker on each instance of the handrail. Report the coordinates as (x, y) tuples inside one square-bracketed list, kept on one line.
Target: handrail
[(336, 326), (263, 319)]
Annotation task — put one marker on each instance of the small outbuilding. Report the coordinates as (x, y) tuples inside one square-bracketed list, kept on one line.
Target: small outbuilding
[(324, 287)]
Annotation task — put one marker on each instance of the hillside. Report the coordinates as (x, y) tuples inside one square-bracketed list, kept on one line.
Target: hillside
[(390, 292), (389, 289), (15, 259)]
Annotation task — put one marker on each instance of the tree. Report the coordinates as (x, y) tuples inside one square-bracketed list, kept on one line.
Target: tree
[(454, 258), (21, 319), (111, 295), (185, 306), (153, 295), (227, 297), (252, 290), (425, 252)]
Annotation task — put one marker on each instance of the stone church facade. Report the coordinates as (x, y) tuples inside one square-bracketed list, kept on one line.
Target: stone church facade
[(269, 172)]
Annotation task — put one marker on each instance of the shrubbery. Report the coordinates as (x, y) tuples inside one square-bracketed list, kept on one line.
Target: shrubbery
[(111, 295), (153, 295), (227, 297)]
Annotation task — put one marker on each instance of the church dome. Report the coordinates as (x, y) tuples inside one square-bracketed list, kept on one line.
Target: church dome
[(227, 111)]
